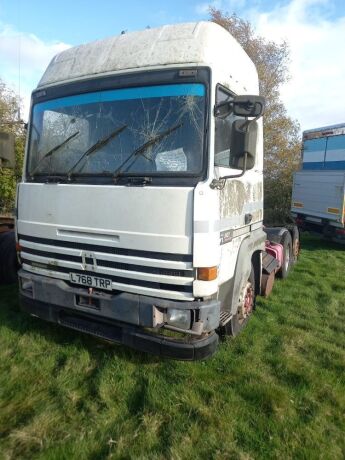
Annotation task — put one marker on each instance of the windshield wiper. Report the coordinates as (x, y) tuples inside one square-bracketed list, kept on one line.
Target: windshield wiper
[(139, 180), (55, 178), (53, 150), (100, 143), (140, 150)]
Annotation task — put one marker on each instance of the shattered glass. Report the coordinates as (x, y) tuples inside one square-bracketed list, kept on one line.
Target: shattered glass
[(146, 112)]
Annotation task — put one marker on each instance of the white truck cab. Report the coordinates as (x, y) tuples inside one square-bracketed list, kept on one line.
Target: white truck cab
[(140, 210)]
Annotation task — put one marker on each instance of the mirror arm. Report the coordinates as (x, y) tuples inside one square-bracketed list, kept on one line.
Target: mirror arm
[(219, 184), (248, 122), (218, 106)]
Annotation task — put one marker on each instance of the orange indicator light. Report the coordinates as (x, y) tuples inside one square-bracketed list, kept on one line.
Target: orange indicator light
[(207, 273)]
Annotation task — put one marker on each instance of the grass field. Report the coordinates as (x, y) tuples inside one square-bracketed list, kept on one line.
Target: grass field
[(276, 391)]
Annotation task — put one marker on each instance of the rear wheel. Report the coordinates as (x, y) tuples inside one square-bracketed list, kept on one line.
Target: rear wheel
[(296, 246), (246, 307), (287, 255)]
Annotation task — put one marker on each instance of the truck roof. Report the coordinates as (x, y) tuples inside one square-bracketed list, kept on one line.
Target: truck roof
[(197, 44)]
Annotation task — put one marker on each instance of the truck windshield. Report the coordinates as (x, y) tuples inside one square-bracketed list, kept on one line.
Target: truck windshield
[(137, 116)]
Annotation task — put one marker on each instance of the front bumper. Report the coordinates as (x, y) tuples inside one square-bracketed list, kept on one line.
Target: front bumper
[(121, 317)]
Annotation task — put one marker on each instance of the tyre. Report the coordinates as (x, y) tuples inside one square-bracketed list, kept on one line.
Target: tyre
[(287, 255), (240, 319), (296, 245), (8, 258)]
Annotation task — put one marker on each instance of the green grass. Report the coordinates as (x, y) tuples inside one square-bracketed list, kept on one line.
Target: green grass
[(276, 391)]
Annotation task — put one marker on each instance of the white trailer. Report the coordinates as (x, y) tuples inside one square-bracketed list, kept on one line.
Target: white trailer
[(141, 204), (318, 194)]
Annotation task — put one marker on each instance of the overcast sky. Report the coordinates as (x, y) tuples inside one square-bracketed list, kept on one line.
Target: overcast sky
[(32, 32)]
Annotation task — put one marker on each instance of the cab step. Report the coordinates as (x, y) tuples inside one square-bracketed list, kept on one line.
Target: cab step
[(225, 317)]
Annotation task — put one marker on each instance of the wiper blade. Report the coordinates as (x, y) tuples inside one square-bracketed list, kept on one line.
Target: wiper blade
[(139, 180), (55, 178), (53, 150), (140, 150), (100, 143), (49, 178)]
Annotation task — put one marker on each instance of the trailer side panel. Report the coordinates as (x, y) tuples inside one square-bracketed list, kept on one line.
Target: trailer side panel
[(319, 194)]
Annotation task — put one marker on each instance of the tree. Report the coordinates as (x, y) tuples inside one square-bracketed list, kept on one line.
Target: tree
[(9, 123), (281, 133)]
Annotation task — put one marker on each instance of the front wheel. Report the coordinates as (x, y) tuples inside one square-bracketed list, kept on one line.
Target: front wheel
[(245, 309)]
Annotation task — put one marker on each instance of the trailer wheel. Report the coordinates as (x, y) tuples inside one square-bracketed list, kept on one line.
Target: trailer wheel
[(241, 318), (8, 258), (287, 255)]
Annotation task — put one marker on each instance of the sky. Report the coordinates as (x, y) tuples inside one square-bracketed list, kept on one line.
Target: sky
[(31, 33)]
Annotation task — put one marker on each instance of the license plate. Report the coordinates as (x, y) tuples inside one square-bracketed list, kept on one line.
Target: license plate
[(90, 281)]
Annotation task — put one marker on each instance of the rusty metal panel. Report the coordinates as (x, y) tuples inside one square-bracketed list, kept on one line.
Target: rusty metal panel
[(332, 130)]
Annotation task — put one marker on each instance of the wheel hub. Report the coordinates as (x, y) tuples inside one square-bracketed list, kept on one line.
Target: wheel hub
[(248, 301)]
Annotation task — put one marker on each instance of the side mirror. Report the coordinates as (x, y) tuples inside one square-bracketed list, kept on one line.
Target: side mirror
[(249, 106), (243, 144), (7, 151), (241, 106)]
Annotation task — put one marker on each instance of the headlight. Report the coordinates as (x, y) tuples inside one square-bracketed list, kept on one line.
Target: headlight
[(178, 318)]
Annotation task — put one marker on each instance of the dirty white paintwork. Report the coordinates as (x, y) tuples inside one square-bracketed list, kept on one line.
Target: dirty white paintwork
[(126, 217), (136, 218), (220, 210), (202, 43), (172, 220)]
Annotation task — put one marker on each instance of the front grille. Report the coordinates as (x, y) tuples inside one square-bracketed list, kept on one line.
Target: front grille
[(119, 279), (110, 264), (54, 257), (108, 249)]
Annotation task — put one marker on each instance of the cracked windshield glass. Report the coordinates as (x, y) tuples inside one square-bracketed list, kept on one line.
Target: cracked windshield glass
[(149, 130)]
